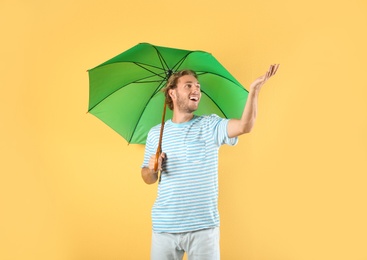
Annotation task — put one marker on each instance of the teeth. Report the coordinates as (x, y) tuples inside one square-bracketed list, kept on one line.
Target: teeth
[(194, 98)]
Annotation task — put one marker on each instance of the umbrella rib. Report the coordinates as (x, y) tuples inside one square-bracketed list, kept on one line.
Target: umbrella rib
[(99, 102), (123, 61), (179, 63), (142, 65), (145, 107), (236, 83), (146, 68), (205, 72), (216, 104), (165, 65), (137, 81), (161, 59)]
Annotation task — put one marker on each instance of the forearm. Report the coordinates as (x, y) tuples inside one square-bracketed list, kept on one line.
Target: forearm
[(250, 112), (245, 124), (148, 175)]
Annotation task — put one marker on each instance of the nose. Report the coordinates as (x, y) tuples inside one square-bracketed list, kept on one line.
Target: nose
[(196, 89)]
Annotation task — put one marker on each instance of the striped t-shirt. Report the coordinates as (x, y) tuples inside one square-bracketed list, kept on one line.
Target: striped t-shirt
[(187, 197)]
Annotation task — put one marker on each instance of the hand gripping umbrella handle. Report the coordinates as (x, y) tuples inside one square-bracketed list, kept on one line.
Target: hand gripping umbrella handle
[(157, 154), (159, 148)]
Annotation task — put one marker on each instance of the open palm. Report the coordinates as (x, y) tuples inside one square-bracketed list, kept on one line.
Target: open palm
[(260, 81)]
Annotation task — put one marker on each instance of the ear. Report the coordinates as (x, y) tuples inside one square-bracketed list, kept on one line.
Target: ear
[(172, 93)]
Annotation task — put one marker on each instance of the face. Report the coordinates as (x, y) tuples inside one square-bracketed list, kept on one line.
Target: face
[(186, 96)]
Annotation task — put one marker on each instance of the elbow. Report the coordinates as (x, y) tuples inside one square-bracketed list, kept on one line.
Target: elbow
[(247, 128), (238, 128)]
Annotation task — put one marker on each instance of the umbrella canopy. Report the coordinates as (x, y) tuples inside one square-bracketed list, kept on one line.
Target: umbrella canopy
[(125, 91)]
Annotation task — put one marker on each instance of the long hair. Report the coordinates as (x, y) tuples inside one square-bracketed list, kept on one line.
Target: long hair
[(172, 84)]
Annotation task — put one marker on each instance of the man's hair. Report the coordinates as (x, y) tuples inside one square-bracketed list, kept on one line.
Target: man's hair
[(172, 84)]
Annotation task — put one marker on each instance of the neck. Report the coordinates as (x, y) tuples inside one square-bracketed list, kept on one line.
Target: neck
[(181, 117)]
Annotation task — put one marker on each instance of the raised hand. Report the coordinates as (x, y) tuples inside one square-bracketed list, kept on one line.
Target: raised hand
[(260, 81)]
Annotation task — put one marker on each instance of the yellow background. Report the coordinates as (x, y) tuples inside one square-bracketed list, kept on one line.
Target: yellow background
[(293, 189)]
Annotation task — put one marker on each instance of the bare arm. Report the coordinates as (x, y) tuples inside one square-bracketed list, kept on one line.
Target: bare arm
[(148, 174), (244, 125)]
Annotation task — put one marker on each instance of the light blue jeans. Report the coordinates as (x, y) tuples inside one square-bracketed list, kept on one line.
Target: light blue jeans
[(198, 245)]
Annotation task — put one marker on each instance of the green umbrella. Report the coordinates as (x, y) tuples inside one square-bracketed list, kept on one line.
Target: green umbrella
[(125, 91)]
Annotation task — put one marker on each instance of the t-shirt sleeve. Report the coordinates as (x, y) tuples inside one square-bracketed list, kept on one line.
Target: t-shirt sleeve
[(149, 148), (220, 132)]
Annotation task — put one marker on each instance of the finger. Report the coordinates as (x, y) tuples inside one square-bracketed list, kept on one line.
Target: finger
[(268, 74), (276, 68), (161, 159), (271, 70)]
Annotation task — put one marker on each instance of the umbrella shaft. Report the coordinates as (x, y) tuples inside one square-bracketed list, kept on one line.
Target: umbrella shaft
[(159, 148)]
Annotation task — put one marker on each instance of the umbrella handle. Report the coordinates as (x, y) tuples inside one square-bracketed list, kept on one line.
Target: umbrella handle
[(158, 153), (159, 148)]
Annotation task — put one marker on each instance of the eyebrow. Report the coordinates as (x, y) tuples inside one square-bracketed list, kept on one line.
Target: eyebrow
[(191, 82)]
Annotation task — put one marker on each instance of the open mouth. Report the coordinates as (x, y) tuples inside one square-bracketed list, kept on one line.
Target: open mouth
[(194, 98)]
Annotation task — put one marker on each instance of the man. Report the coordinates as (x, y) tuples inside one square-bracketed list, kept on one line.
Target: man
[(185, 213)]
